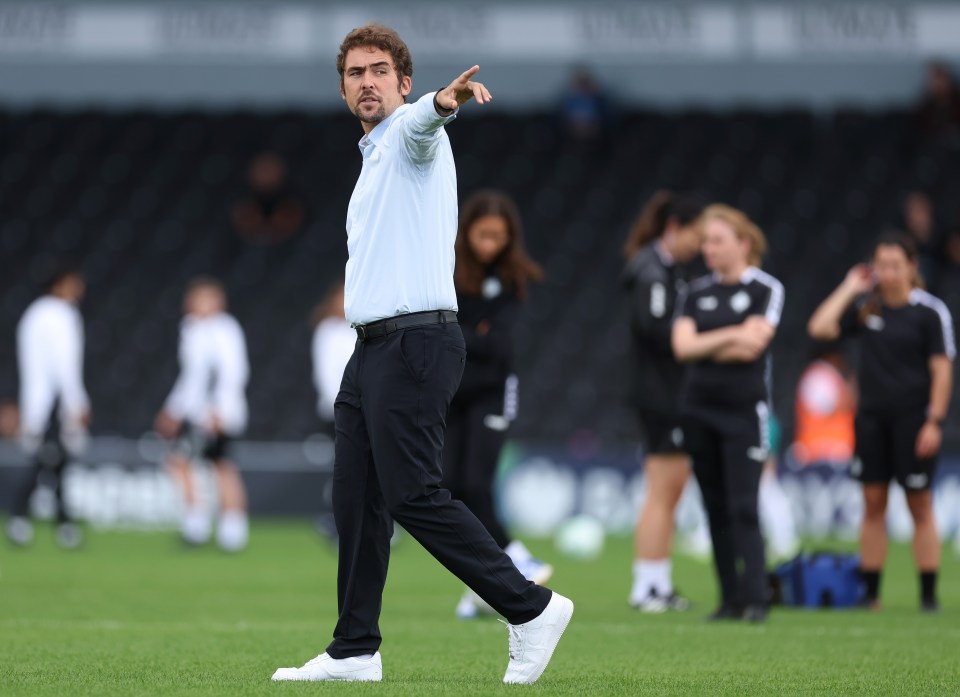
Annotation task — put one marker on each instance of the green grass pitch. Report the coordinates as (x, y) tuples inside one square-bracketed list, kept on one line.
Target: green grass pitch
[(133, 614)]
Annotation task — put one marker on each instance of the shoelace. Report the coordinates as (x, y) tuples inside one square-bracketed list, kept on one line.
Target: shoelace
[(515, 639)]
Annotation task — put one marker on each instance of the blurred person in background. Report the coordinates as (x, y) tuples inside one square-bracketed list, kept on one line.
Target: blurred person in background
[(776, 515), (9, 420), (664, 237), (491, 277), (270, 212), (725, 323), (584, 108), (907, 348), (949, 287), (825, 407), (331, 347), (921, 226), (938, 112), (206, 410), (54, 407)]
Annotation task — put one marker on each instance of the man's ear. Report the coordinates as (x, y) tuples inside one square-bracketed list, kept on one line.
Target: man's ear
[(343, 94), (406, 84)]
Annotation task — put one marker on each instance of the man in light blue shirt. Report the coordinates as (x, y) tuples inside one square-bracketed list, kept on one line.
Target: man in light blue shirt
[(391, 410), (402, 218)]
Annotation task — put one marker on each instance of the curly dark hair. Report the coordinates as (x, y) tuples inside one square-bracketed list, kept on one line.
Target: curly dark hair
[(378, 36)]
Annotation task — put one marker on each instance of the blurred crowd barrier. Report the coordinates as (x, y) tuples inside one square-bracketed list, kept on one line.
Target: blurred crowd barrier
[(121, 483)]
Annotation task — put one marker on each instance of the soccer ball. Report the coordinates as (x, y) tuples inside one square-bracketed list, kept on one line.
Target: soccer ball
[(580, 537)]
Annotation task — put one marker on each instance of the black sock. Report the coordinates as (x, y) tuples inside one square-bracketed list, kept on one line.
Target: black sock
[(928, 586), (872, 581)]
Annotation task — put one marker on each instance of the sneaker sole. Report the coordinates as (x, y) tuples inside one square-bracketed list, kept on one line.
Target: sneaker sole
[(544, 576), (565, 617), (650, 609), (376, 679), (374, 676)]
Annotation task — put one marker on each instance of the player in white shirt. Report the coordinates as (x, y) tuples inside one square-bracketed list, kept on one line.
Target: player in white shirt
[(331, 347), (206, 410), (54, 406)]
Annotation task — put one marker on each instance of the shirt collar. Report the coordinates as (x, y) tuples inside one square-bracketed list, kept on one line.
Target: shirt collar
[(748, 275), (374, 137), (665, 257)]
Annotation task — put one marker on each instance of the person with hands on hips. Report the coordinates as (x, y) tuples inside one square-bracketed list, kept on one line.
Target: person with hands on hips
[(906, 378)]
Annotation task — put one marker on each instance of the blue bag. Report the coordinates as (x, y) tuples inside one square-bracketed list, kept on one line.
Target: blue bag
[(820, 579)]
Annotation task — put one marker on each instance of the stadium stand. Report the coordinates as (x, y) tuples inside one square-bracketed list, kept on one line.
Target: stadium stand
[(142, 200)]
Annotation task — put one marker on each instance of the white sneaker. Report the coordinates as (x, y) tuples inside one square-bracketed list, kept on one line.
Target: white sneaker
[(532, 643), (466, 608), (535, 570), (69, 535), (472, 606), (233, 531), (653, 603), (324, 667), (196, 526), (20, 531)]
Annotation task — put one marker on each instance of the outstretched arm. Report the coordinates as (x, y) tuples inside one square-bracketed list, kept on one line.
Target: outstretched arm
[(432, 111)]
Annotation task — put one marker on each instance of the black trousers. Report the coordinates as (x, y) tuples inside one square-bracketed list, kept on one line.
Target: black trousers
[(471, 452), (728, 446), (50, 459), (390, 418)]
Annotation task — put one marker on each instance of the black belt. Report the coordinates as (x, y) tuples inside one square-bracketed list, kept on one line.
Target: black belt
[(382, 327)]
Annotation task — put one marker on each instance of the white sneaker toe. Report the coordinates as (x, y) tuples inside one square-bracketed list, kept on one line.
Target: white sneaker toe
[(325, 667), (286, 674), (532, 644)]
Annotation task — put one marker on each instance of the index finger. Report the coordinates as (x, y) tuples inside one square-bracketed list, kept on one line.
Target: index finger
[(469, 73)]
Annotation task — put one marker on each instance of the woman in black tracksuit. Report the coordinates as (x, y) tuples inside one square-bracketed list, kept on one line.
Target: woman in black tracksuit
[(724, 326), (906, 378), (492, 272), (664, 237)]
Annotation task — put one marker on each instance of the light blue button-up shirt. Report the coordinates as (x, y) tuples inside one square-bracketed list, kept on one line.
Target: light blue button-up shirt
[(402, 218)]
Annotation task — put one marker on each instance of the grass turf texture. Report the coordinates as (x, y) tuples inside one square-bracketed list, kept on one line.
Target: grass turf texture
[(133, 614)]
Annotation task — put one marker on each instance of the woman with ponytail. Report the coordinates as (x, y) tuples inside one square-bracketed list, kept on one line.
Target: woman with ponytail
[(906, 378), (664, 237)]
